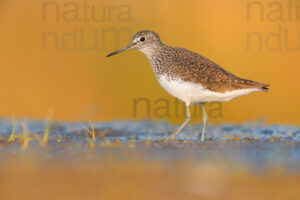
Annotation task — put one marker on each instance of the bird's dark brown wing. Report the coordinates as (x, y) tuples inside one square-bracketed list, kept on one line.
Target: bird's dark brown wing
[(198, 69)]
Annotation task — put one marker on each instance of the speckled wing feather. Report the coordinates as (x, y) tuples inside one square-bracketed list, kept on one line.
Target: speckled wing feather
[(193, 67)]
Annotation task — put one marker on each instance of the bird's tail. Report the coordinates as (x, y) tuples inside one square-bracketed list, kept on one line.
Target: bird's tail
[(253, 84), (265, 87)]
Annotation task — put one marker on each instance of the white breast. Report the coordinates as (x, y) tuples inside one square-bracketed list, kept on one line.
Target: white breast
[(192, 93)]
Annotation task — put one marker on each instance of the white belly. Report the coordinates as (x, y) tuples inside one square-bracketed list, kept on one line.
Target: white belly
[(192, 93)]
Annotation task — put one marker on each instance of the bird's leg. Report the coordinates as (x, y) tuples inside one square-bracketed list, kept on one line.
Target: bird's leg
[(204, 118), (188, 118)]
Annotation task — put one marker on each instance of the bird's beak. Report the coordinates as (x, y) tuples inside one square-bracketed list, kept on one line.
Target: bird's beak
[(119, 51)]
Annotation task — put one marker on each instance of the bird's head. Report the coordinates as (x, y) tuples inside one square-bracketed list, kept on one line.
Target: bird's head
[(145, 41)]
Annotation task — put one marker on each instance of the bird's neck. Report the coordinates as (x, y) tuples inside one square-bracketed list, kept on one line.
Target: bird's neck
[(154, 50), (149, 52), (157, 56)]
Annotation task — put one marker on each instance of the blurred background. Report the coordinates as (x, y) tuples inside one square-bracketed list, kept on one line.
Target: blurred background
[(53, 63), (53, 57)]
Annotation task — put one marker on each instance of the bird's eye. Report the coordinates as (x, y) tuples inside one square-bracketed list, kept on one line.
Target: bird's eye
[(142, 39)]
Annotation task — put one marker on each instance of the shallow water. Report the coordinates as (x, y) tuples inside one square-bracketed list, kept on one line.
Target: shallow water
[(257, 147)]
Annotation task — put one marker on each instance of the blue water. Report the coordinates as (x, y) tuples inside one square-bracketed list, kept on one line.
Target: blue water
[(256, 146)]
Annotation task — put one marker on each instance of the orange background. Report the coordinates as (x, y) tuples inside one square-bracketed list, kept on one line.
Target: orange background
[(85, 85)]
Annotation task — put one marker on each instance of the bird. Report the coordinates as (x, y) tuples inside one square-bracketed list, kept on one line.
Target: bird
[(190, 77)]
